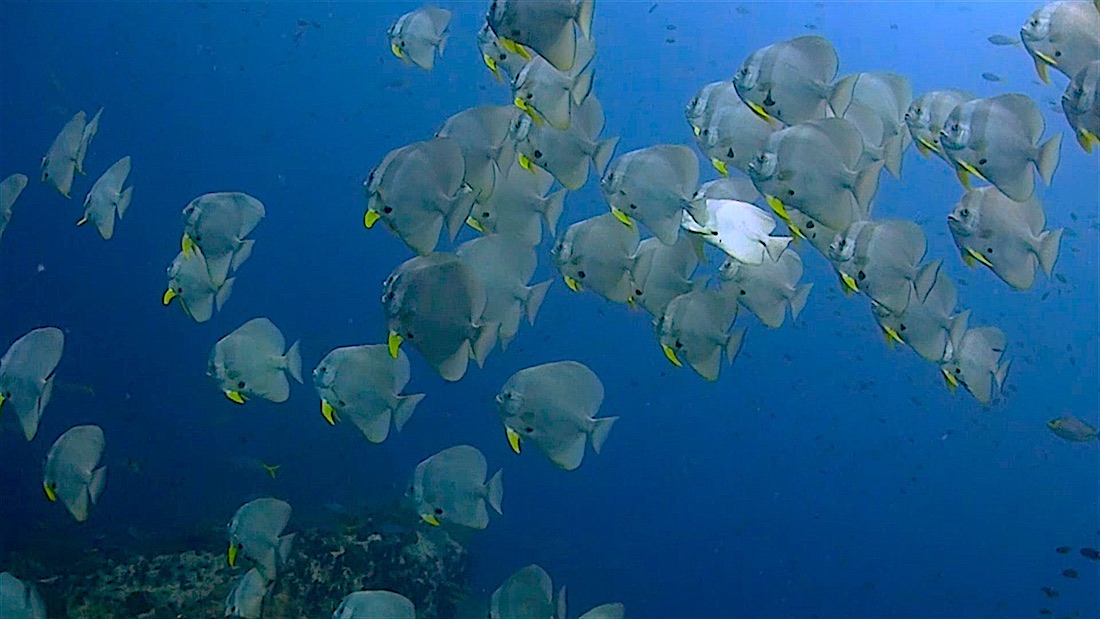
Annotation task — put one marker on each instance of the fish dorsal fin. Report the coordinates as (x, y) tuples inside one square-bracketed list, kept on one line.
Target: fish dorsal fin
[(902, 89), (439, 18), (1023, 108), (820, 52)]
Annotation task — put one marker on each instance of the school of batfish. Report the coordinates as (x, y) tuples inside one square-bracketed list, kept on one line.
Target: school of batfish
[(793, 144)]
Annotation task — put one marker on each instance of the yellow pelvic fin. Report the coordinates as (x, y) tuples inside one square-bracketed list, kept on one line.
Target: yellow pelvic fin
[(513, 438), (168, 296), (430, 519), (849, 283), (670, 353), (720, 165), (1041, 69), (891, 336), (621, 216), (950, 381), (573, 284), (393, 343), (371, 217), (492, 64), (970, 168), (696, 129), (525, 162), (514, 47), (231, 556), (964, 176), (475, 224), (969, 260), (187, 245), (50, 494), (1054, 424), (777, 205), (977, 255), (924, 146), (762, 113), (396, 50), (2, 398), (329, 413), (271, 469), (1086, 139), (83, 220), (631, 303), (235, 396)]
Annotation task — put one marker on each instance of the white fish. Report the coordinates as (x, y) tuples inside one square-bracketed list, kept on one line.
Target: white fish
[(450, 487), (19, 600), (554, 406), (246, 599), (505, 266), (417, 36), (741, 230), (729, 188), (767, 289), (10, 188), (1004, 235), (547, 27), (598, 253), (250, 363), (698, 326), (997, 140), (217, 224), (107, 197), (436, 303), (416, 189), (375, 605), (59, 163), (976, 363), (363, 384), (527, 594), (27, 373), (189, 280), (70, 472), (1081, 104), (654, 186), (256, 534)]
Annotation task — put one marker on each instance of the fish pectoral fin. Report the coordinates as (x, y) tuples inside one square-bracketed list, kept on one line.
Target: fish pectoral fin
[(848, 282)]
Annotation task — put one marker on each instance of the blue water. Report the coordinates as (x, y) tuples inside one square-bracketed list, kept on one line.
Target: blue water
[(823, 474)]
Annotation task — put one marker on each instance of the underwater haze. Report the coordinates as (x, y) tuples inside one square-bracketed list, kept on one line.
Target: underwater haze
[(824, 474)]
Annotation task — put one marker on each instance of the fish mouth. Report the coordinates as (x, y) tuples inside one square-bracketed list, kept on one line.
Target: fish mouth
[(670, 354)]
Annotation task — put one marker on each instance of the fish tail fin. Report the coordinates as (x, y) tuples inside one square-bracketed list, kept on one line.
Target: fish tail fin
[(1049, 242), (124, 201), (1049, 154), (98, 483), (866, 185), (443, 37), (559, 603), (535, 296), (293, 360), (495, 491), (406, 404), (223, 293), (582, 84), (733, 344), (798, 299), (959, 323), (926, 279), (243, 252), (842, 93), (602, 155), (585, 9), (286, 542), (551, 212), (600, 429), (486, 340), (776, 245)]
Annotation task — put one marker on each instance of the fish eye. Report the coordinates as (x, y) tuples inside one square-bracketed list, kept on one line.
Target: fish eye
[(528, 429), (1057, 54), (538, 154), (240, 384), (638, 293), (861, 275), (580, 274), (438, 512), (965, 212), (408, 336), (679, 345), (809, 225), (387, 210), (743, 292), (729, 153), (901, 327)]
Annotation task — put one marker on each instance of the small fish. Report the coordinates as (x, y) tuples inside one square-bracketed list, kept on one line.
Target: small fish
[(90, 130), (1049, 592), (256, 534), (27, 375), (416, 37), (1002, 39), (549, 28), (654, 186), (380, 604), (991, 77), (1063, 550), (528, 592), (554, 406), (19, 600), (1090, 553), (363, 384), (1062, 35), (450, 487), (1069, 572), (71, 472), (246, 598), (1072, 429), (250, 363), (107, 198), (10, 188), (1081, 105), (217, 224)]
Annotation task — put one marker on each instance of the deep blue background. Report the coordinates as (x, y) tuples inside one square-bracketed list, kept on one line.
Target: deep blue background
[(823, 475)]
